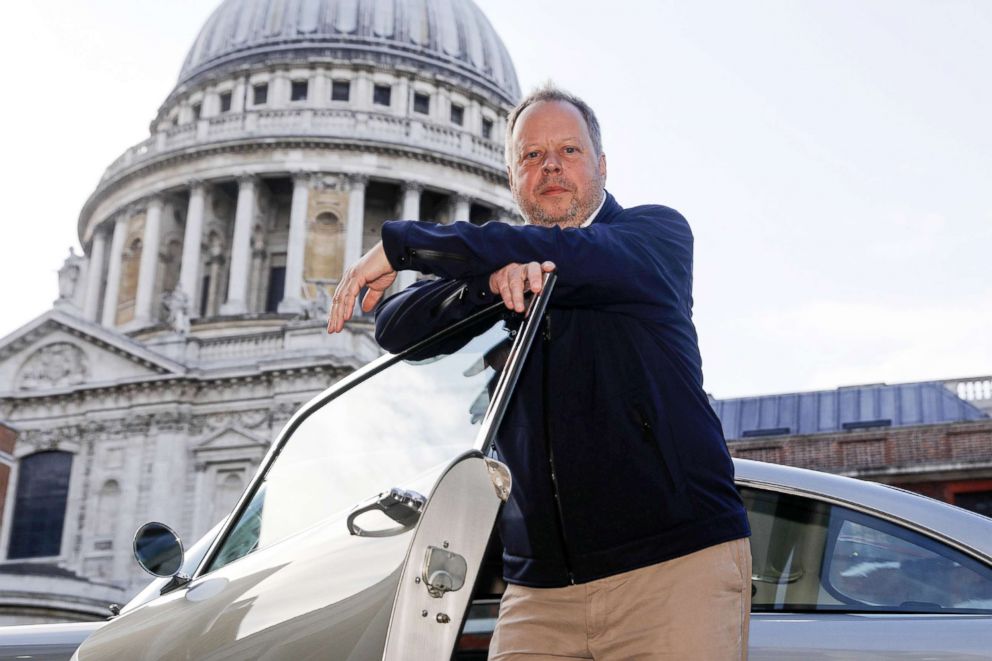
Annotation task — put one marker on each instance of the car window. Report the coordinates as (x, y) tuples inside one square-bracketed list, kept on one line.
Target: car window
[(385, 431), (809, 555)]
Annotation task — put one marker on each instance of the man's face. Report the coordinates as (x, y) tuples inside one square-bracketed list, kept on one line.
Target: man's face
[(556, 177)]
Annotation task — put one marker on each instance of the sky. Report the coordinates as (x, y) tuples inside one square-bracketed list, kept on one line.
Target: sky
[(833, 157)]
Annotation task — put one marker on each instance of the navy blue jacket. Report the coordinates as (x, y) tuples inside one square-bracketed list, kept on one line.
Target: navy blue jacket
[(618, 460)]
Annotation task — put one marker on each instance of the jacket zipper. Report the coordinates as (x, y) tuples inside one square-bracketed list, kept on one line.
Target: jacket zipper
[(647, 433), (546, 396), (436, 254)]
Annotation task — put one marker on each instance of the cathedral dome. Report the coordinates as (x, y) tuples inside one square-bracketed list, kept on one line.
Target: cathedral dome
[(452, 35)]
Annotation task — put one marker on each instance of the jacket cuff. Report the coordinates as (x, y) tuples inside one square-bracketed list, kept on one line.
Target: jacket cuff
[(393, 235)]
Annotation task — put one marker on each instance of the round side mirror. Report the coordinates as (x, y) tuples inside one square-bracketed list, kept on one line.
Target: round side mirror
[(158, 550)]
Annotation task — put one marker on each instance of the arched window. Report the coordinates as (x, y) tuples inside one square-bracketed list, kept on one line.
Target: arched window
[(39, 506)]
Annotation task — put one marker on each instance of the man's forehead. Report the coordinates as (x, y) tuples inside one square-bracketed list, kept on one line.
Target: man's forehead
[(557, 117)]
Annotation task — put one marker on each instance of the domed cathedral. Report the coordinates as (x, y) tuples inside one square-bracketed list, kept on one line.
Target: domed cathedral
[(192, 324)]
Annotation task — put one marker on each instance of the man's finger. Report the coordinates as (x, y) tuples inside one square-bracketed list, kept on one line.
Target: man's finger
[(534, 277), (548, 267), (517, 277), (371, 299), (503, 284)]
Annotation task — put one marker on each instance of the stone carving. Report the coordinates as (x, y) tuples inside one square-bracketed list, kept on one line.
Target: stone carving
[(57, 365), (176, 304), (69, 275), (318, 307)]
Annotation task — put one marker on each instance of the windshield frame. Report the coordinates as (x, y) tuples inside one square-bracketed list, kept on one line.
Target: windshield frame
[(491, 420)]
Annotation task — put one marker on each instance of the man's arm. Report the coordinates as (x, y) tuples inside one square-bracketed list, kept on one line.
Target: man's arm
[(424, 308), (644, 258)]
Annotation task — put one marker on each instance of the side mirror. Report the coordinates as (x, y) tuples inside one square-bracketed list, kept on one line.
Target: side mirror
[(158, 550)]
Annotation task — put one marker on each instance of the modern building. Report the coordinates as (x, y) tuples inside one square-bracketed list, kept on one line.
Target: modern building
[(192, 324)]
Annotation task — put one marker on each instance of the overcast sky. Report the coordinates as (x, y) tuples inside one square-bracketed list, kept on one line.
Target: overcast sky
[(834, 158)]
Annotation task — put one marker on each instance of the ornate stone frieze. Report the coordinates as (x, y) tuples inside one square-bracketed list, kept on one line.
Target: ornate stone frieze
[(56, 365)]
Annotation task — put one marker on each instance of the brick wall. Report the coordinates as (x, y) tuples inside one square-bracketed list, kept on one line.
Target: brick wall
[(936, 460)]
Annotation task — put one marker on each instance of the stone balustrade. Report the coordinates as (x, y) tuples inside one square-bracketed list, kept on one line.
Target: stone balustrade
[(977, 390), (249, 346), (316, 123)]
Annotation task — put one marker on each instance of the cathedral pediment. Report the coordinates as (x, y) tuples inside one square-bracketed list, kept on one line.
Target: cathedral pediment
[(58, 352), (231, 438)]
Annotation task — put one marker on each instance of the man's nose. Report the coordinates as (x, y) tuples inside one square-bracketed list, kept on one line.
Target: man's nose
[(551, 163)]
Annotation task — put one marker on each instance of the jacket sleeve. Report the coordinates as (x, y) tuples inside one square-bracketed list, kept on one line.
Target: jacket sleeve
[(643, 257), (426, 307)]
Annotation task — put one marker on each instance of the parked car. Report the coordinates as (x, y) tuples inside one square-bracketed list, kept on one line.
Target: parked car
[(841, 568)]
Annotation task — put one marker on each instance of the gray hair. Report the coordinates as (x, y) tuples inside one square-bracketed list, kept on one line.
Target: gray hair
[(551, 92)]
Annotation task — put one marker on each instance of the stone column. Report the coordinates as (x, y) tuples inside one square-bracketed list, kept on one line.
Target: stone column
[(363, 91), (244, 218), (411, 211), (292, 294), (189, 271), (114, 270), (404, 107), (355, 228), (462, 207), (143, 312), (94, 274)]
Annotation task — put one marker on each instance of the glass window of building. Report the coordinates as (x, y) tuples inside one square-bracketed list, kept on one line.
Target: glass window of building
[(487, 128), (340, 90), (298, 90), (225, 102), (39, 505), (260, 94), (421, 103), (277, 283), (382, 95), (196, 111), (457, 114)]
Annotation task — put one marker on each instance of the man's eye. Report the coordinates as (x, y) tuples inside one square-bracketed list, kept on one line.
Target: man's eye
[(532, 154), (570, 150)]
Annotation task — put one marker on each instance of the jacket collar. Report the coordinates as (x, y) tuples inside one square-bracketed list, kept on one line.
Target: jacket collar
[(610, 209)]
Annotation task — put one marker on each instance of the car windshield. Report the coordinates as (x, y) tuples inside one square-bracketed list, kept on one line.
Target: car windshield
[(391, 428)]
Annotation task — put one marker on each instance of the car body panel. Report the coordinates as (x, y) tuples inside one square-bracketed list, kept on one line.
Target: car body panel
[(882, 637), (44, 642), (458, 519)]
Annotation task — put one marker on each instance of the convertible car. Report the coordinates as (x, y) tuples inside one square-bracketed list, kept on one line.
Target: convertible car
[(367, 533)]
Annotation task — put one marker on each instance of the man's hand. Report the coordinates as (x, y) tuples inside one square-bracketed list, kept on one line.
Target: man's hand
[(511, 281), (374, 271)]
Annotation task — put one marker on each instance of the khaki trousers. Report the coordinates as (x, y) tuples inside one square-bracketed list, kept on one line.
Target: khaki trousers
[(697, 606)]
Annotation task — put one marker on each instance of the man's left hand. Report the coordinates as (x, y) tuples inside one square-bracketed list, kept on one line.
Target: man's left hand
[(513, 280), (373, 271)]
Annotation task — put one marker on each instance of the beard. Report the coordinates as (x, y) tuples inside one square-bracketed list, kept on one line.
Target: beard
[(578, 210)]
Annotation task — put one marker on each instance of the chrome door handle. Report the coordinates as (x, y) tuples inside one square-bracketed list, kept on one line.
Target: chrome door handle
[(403, 507)]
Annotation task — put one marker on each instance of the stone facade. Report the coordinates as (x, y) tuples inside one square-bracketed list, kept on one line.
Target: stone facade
[(192, 326), (8, 436)]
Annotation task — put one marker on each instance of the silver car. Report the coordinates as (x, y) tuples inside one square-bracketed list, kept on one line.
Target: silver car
[(842, 568)]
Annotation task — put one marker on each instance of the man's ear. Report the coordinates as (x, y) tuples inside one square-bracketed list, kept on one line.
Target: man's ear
[(602, 166), (509, 175)]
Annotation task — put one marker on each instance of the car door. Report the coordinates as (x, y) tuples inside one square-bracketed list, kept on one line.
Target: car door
[(831, 582), (296, 574)]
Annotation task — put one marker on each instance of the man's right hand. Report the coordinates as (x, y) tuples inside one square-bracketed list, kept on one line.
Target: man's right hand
[(511, 281)]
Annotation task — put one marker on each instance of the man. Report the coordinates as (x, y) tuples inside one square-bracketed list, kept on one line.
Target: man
[(624, 537)]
